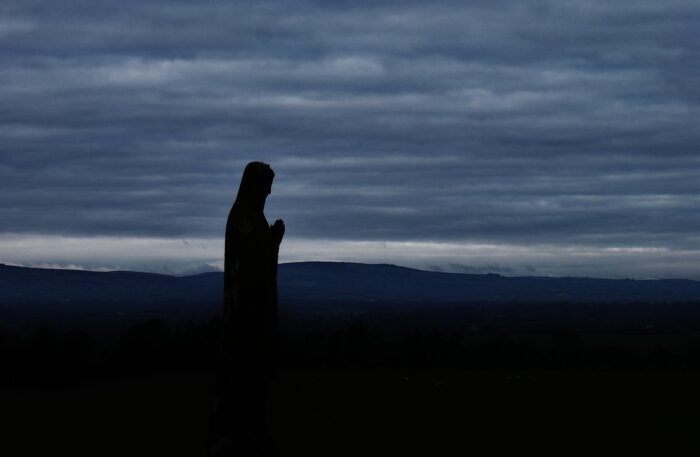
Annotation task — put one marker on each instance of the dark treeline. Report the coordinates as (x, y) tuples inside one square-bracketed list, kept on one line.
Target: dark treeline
[(50, 357), (46, 357)]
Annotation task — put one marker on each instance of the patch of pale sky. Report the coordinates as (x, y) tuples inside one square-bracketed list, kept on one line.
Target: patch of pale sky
[(178, 256)]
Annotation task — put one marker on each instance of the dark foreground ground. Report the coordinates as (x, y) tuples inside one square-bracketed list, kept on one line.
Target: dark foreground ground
[(371, 413)]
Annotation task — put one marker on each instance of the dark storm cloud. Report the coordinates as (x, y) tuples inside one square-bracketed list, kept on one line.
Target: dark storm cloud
[(513, 122)]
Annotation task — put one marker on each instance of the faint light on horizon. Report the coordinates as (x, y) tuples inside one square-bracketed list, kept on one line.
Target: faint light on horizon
[(193, 255)]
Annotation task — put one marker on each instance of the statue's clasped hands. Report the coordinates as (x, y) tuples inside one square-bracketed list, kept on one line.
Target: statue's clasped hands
[(277, 230)]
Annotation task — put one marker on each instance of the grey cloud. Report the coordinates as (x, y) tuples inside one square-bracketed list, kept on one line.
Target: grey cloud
[(502, 122)]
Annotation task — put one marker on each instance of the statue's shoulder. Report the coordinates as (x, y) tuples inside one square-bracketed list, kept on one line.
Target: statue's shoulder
[(239, 222), (243, 225)]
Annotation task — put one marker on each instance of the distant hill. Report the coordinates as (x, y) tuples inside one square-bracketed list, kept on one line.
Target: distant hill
[(47, 290), (50, 290), (356, 282)]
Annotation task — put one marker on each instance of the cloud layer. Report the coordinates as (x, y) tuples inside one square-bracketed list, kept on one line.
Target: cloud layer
[(572, 125)]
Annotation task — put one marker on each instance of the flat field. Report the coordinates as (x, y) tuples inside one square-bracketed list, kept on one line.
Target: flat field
[(371, 413)]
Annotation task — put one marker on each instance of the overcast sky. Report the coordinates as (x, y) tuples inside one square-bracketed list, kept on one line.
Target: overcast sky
[(517, 137)]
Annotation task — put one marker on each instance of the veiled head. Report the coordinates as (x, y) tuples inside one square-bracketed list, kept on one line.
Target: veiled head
[(256, 185)]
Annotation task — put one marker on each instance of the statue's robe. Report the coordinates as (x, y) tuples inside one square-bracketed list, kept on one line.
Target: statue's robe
[(249, 324)]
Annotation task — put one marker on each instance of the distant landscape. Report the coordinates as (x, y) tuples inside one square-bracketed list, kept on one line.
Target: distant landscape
[(531, 360), (360, 315), (329, 287)]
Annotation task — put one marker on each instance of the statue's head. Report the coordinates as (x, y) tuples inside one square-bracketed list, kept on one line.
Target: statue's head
[(256, 185)]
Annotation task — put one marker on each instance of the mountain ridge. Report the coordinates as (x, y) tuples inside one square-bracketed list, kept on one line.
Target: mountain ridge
[(322, 282)]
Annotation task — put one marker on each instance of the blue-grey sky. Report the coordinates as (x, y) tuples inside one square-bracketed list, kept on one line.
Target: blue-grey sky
[(519, 137)]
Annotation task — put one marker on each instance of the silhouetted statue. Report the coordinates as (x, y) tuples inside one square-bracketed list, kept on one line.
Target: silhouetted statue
[(250, 318)]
